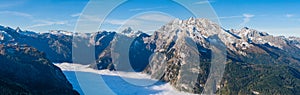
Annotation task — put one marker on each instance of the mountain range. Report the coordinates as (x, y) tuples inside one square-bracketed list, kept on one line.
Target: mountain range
[(182, 52)]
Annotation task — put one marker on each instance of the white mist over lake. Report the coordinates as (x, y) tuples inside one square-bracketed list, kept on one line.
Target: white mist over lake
[(88, 81)]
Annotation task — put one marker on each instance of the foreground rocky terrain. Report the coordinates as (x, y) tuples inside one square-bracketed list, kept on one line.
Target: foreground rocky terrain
[(26, 71)]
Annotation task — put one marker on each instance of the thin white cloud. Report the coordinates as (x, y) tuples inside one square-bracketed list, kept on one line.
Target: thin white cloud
[(289, 15), (40, 23), (87, 18), (11, 3), (247, 18), (203, 2), (286, 31), (156, 17), (120, 22), (145, 9), (115, 21), (141, 19), (47, 23), (76, 15), (142, 22), (15, 13), (145, 22), (7, 5), (229, 17)]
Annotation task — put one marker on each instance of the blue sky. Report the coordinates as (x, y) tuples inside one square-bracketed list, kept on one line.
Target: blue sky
[(278, 17)]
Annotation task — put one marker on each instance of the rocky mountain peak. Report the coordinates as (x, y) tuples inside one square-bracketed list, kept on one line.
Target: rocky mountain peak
[(18, 29), (127, 30), (130, 32), (258, 37), (192, 27), (198, 29), (60, 32), (191, 21), (247, 32)]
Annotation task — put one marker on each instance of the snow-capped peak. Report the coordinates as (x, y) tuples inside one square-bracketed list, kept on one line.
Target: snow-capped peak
[(60, 32), (254, 36), (127, 30), (192, 25), (198, 29), (130, 32), (248, 33)]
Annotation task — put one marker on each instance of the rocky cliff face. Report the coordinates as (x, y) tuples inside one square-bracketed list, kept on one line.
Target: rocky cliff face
[(185, 48), (26, 71), (124, 53)]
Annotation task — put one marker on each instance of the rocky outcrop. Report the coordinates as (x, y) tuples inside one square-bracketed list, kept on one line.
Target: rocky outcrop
[(26, 71), (124, 53)]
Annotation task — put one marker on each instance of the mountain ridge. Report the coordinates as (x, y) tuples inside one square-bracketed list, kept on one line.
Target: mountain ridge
[(165, 54)]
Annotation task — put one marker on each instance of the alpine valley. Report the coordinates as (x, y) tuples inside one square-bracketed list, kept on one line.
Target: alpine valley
[(180, 53)]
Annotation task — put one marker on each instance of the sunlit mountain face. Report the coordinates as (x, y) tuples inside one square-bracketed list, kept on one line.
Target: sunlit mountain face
[(146, 48)]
